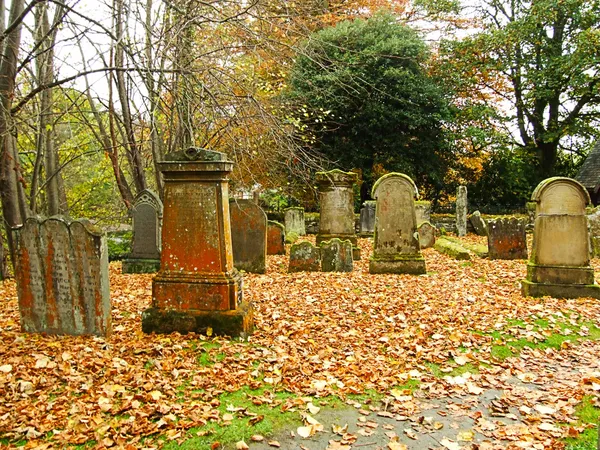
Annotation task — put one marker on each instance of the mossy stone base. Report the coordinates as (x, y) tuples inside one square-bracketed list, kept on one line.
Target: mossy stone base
[(560, 274), (137, 265), (452, 249), (413, 266), (342, 237), (235, 323), (530, 289)]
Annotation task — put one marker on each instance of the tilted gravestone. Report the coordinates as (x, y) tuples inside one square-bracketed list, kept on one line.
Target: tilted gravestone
[(146, 214), (275, 238), (461, 211), (427, 233), (336, 256), (507, 238), (560, 259), (248, 235), (479, 224), (396, 243), (304, 257), (367, 218), (61, 269), (294, 221), (197, 288)]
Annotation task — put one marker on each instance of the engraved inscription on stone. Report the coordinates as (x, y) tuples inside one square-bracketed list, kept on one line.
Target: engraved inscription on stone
[(147, 214)]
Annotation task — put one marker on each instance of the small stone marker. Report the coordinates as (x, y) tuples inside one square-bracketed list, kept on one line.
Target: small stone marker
[(294, 221), (336, 256), (146, 214), (507, 238), (367, 218), (248, 235), (197, 287), (61, 270), (560, 259), (423, 211), (396, 244), (275, 238), (336, 197), (427, 233), (304, 257), (479, 223), (461, 210)]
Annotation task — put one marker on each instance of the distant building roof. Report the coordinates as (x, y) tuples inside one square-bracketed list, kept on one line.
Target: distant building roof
[(589, 173)]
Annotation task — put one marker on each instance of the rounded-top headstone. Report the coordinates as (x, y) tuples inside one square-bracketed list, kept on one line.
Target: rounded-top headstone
[(560, 195)]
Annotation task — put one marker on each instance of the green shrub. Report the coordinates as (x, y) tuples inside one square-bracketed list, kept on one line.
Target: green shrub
[(119, 244)]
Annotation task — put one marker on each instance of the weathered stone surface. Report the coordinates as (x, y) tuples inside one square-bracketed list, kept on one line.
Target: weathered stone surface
[(560, 261), (452, 249), (336, 197), (367, 218), (336, 256), (248, 236), (146, 214), (396, 242), (275, 238), (294, 221), (479, 224), (197, 277), (594, 226), (461, 210), (423, 211), (61, 270), (507, 238), (304, 257), (427, 233)]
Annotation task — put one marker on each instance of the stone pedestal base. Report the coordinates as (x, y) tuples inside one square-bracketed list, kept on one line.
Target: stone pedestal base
[(530, 289), (414, 266), (235, 323), (342, 237), (138, 265), (560, 275)]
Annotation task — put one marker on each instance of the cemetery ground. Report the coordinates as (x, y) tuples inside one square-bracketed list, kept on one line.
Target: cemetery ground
[(456, 358)]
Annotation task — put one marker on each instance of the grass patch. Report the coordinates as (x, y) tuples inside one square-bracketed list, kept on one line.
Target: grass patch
[(586, 413), (436, 370)]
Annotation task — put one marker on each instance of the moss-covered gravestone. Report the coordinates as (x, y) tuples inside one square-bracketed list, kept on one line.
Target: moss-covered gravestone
[(275, 238), (427, 234), (560, 261), (197, 287), (248, 235), (396, 246), (304, 257), (146, 215), (294, 221), (461, 211), (336, 256)]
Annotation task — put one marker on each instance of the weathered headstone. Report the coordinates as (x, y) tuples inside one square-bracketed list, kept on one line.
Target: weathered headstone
[(146, 214), (197, 287), (594, 227), (427, 233), (294, 221), (396, 243), (336, 197), (461, 211), (304, 257), (479, 224), (336, 256), (423, 211), (367, 218), (560, 259), (61, 270), (275, 238), (507, 238), (248, 235)]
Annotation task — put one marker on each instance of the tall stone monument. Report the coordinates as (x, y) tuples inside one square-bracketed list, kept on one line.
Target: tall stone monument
[(336, 196), (396, 246), (367, 218), (559, 265), (294, 221), (61, 269), (248, 235), (197, 287), (146, 214), (461, 211)]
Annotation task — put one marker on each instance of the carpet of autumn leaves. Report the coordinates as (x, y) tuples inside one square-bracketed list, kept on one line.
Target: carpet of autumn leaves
[(315, 334)]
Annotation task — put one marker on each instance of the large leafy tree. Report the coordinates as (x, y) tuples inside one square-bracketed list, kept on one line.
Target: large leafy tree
[(362, 91)]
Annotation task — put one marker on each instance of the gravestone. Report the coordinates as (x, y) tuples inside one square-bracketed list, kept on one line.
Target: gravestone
[(294, 221), (396, 242), (336, 195), (336, 256), (61, 269), (248, 235), (507, 238), (304, 257), (146, 214), (461, 211), (197, 288), (594, 227), (427, 233), (367, 218), (479, 224), (275, 238), (423, 211), (560, 259)]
